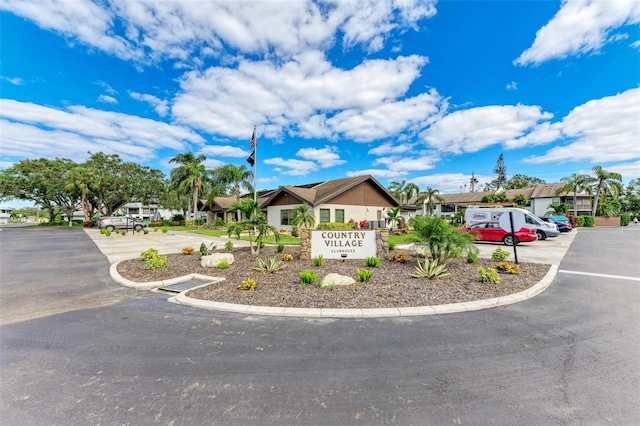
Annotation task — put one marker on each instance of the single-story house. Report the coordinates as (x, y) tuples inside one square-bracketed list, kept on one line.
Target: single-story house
[(539, 197), (339, 200)]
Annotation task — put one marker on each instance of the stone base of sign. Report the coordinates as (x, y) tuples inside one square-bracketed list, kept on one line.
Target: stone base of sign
[(382, 243)]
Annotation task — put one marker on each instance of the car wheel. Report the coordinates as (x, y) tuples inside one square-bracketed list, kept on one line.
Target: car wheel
[(138, 228), (541, 235), (508, 240), (111, 228)]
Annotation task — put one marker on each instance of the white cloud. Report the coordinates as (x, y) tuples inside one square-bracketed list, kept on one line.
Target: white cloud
[(580, 27), (327, 156), (378, 173), (512, 86), (627, 170), (16, 81), (161, 107), (107, 99), (292, 167), (389, 148), (107, 88), (288, 97), (474, 129), (224, 151), (635, 44), (150, 31), (32, 131), (450, 183), (424, 161), (601, 130)]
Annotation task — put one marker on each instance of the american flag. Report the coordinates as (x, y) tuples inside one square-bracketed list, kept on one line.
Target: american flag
[(253, 139)]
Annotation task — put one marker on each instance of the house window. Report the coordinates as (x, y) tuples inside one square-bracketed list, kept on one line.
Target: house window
[(325, 215), (285, 217), (340, 215)]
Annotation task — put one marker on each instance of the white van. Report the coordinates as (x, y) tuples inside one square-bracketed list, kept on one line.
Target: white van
[(483, 214)]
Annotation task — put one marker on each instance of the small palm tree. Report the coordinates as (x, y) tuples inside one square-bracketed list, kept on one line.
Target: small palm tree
[(441, 238), (393, 214), (302, 215), (558, 209), (575, 183), (397, 189), (254, 219), (429, 196)]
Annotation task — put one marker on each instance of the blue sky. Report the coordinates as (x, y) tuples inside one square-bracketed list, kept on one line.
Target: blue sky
[(428, 92)]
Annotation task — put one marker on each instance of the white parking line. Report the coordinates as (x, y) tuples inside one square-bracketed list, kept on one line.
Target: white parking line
[(619, 277)]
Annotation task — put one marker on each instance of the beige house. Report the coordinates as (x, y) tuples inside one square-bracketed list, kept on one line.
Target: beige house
[(340, 200), (540, 197)]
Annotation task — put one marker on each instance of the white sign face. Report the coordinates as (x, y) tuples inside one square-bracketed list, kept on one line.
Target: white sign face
[(518, 221), (355, 244)]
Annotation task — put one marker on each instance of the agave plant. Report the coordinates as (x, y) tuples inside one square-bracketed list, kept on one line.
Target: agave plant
[(430, 269), (269, 264)]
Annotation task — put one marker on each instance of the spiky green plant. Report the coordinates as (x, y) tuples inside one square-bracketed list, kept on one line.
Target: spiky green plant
[(430, 269), (318, 260), (364, 274), (269, 264), (372, 262), (307, 277)]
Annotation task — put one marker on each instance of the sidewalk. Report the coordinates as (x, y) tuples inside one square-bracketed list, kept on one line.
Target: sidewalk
[(122, 247)]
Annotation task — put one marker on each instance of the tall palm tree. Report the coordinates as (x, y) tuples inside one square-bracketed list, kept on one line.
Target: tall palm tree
[(607, 182), (302, 215), (237, 176), (397, 189), (189, 175), (429, 196), (575, 183)]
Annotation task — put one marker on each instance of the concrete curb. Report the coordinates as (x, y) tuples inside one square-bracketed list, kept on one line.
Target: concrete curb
[(538, 288), (151, 285)]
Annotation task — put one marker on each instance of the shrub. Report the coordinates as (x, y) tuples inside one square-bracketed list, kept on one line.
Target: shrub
[(228, 246), (372, 262), (188, 251), (472, 257), (146, 231), (392, 246), (155, 229), (587, 221), (499, 255), (488, 275), (430, 269), (165, 229), (337, 226), (307, 277), (399, 257), (248, 284), (177, 218), (189, 222), (123, 232), (157, 262), (88, 224), (219, 222), (508, 268), (294, 232), (148, 254), (441, 238), (286, 257), (280, 248), (364, 274), (223, 264), (269, 264), (318, 260), (363, 224), (625, 219), (206, 251)]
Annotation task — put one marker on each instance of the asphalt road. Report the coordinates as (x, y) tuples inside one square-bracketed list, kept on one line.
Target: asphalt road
[(568, 356)]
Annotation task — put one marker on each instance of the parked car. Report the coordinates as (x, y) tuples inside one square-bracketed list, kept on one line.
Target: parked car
[(562, 227), (491, 231), (483, 214), (121, 222)]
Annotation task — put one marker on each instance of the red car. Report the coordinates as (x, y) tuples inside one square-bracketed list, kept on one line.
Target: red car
[(491, 231)]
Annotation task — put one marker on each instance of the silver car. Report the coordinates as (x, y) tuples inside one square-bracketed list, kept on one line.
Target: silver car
[(121, 222)]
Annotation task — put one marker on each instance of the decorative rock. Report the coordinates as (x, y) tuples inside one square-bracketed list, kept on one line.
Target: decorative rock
[(337, 279), (214, 259)]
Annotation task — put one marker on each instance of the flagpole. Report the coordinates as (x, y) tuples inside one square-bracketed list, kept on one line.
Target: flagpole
[(255, 169)]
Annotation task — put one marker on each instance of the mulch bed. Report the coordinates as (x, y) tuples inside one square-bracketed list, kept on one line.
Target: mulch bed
[(390, 286)]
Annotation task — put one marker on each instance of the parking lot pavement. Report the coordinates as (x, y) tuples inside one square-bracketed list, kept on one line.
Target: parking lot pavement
[(129, 246), (549, 251)]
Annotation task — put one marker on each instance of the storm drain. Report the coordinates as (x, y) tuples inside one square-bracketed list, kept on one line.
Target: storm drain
[(183, 286)]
